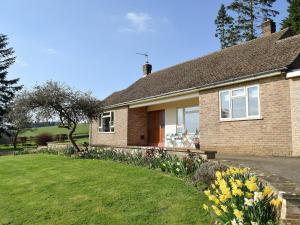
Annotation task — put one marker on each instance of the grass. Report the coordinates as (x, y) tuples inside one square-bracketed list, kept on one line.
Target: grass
[(47, 189), (53, 130), (19, 147)]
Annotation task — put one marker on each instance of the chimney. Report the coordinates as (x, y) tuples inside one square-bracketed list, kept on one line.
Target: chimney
[(268, 27), (147, 68)]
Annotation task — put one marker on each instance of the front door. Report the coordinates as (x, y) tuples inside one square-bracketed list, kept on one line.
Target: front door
[(156, 128)]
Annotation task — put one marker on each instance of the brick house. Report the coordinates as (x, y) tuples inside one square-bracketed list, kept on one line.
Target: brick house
[(244, 100)]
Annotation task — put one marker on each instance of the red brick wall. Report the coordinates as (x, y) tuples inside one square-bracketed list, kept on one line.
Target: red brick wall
[(137, 126)]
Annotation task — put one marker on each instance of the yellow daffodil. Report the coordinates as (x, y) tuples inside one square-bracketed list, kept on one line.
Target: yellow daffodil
[(252, 186), (267, 191), (237, 192), (238, 214), (217, 211), (275, 202), (218, 175), (253, 179), (248, 195), (224, 208), (205, 207), (207, 192)]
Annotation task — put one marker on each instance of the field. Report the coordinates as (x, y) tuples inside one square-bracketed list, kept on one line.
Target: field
[(48, 189), (53, 130)]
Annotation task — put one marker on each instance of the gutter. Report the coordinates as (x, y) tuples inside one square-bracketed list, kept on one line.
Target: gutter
[(266, 74), (293, 73)]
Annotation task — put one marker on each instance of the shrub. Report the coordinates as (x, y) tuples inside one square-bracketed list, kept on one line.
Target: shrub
[(60, 137), (42, 139), (238, 197), (23, 140), (206, 172), (69, 151)]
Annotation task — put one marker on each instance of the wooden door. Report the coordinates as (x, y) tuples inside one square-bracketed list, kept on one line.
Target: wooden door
[(156, 128)]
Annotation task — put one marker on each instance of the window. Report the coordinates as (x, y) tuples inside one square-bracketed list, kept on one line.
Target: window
[(240, 103), (188, 120), (106, 122)]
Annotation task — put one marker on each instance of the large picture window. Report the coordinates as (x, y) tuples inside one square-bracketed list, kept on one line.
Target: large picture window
[(106, 122), (188, 120), (240, 103)]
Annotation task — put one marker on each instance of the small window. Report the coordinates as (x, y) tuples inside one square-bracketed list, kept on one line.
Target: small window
[(106, 122), (188, 120), (240, 103), (225, 104)]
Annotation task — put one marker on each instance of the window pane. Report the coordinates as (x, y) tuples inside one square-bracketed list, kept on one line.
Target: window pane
[(253, 101), (106, 114), (106, 124), (238, 92), (180, 120), (100, 119), (225, 105), (239, 107), (112, 118), (192, 119)]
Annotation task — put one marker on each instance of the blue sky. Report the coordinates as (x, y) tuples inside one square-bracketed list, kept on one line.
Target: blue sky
[(91, 44)]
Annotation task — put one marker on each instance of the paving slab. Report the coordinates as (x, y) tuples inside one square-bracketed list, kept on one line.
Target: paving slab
[(282, 172)]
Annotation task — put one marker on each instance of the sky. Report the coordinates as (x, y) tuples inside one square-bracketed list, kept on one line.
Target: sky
[(91, 45)]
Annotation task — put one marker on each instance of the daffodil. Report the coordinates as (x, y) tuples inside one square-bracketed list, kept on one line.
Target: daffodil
[(224, 208), (248, 202), (252, 186), (238, 214), (258, 196), (267, 191), (275, 202), (217, 211), (205, 207)]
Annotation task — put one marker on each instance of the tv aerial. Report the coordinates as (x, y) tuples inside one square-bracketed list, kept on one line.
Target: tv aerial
[(145, 55)]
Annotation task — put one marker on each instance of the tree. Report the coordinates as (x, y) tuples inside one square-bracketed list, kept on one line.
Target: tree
[(54, 100), (249, 15), (8, 88), (225, 30), (293, 19), (18, 118)]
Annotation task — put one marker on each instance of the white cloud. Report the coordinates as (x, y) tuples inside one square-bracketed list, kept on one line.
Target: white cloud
[(138, 22), (21, 63), (50, 51)]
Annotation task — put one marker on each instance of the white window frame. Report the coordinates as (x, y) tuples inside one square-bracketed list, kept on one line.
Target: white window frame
[(111, 125), (183, 118), (245, 88)]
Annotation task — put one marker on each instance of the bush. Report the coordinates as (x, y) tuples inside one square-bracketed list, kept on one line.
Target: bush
[(237, 197), (69, 151), (42, 139), (60, 137), (206, 172), (23, 140)]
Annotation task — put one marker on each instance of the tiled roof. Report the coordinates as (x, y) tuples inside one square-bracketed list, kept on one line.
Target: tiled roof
[(260, 55)]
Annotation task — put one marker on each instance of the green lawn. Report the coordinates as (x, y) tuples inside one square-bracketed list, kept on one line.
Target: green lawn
[(53, 130), (47, 189)]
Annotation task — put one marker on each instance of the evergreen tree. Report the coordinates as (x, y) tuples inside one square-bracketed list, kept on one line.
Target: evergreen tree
[(225, 30), (293, 19), (8, 88), (250, 15)]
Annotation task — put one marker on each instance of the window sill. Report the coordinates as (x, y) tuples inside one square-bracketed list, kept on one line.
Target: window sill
[(106, 132), (240, 119)]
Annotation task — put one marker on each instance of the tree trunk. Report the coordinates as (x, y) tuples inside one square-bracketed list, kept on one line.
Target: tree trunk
[(251, 21), (71, 139), (15, 140)]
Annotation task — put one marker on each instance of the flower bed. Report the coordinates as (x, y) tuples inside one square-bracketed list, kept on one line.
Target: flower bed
[(238, 198)]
